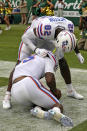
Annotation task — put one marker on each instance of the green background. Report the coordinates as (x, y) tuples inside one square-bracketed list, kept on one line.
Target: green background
[(74, 7)]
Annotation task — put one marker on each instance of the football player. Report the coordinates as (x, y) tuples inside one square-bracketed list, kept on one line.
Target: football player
[(28, 90)]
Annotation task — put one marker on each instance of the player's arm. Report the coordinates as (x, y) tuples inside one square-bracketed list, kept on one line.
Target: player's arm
[(9, 4), (26, 38), (50, 4), (78, 54), (36, 5), (50, 80)]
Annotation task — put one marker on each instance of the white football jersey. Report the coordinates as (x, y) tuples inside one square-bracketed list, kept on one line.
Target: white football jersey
[(34, 66), (45, 31), (46, 26)]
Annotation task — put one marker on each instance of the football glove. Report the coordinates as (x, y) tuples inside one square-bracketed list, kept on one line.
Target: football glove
[(41, 52), (80, 57)]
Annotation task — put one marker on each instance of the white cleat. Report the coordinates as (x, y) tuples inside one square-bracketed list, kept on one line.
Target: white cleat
[(66, 121), (6, 104), (58, 116), (75, 95)]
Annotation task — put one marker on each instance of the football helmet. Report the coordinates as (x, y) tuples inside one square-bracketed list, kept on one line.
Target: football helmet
[(65, 41)]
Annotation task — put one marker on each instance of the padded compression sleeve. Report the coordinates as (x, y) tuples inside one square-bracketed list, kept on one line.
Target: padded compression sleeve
[(76, 50), (28, 42)]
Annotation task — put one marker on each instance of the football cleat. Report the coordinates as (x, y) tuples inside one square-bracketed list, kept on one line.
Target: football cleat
[(75, 95), (58, 116), (38, 112), (6, 104), (66, 121)]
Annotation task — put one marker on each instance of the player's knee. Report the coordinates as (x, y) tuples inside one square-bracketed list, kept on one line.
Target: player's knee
[(60, 106)]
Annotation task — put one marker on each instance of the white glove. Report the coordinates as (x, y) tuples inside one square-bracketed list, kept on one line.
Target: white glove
[(41, 52), (80, 57)]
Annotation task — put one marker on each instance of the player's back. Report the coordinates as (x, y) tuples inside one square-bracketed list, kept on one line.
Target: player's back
[(47, 25), (32, 66)]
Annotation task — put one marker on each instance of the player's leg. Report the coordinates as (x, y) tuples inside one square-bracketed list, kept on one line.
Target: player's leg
[(20, 92), (6, 19), (42, 97), (65, 72), (7, 98), (23, 52)]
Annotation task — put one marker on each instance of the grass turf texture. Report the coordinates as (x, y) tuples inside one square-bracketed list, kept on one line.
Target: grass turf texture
[(9, 42), (3, 81), (80, 127)]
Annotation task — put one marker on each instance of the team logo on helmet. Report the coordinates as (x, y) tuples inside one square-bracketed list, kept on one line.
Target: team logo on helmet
[(65, 41), (64, 44)]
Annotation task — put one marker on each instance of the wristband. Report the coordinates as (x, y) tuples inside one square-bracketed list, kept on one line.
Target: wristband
[(35, 49)]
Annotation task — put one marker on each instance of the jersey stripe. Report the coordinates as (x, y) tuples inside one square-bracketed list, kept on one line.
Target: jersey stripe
[(26, 29), (44, 90), (41, 29), (20, 50), (54, 59), (72, 41)]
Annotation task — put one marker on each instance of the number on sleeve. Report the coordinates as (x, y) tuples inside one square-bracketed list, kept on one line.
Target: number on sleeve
[(28, 59), (71, 27)]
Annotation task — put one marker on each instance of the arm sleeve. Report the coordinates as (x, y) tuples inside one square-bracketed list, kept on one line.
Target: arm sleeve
[(26, 40), (76, 50), (49, 66), (59, 54)]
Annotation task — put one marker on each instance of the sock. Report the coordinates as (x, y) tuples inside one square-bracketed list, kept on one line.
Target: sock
[(7, 95), (38, 112), (69, 87), (56, 113)]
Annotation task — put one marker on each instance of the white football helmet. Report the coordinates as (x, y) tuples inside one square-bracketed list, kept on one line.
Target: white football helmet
[(65, 41)]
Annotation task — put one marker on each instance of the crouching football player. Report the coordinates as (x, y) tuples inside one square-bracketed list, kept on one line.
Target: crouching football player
[(27, 89)]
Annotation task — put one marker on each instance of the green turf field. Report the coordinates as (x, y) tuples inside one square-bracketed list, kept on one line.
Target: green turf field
[(9, 43), (80, 127)]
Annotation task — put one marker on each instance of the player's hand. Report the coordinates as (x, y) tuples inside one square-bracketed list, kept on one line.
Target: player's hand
[(57, 93), (80, 57), (41, 52)]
